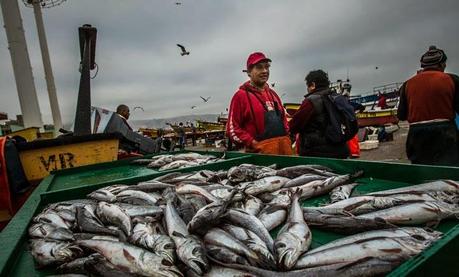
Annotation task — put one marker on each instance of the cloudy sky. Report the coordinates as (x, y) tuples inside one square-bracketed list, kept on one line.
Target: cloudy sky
[(141, 66)]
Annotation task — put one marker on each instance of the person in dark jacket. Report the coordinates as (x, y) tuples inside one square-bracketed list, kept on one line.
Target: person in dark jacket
[(429, 101), (123, 111), (311, 119)]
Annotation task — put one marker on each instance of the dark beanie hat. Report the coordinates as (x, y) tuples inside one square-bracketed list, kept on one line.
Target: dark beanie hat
[(433, 57)]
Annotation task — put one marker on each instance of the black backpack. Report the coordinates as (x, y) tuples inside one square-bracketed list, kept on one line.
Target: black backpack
[(342, 120)]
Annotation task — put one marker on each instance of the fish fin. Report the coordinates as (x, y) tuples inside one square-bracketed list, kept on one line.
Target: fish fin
[(128, 256)]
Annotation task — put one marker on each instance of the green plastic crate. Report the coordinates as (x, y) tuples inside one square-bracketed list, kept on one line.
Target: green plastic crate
[(110, 172), (439, 258)]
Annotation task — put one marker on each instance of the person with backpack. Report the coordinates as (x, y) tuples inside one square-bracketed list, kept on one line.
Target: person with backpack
[(257, 119), (325, 120)]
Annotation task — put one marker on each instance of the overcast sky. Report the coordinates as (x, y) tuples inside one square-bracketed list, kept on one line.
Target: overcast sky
[(141, 66)]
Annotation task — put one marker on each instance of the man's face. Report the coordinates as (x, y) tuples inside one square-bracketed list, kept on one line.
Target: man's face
[(311, 87), (125, 113), (259, 74)]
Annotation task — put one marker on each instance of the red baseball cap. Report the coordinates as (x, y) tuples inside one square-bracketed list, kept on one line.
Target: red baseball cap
[(255, 58)]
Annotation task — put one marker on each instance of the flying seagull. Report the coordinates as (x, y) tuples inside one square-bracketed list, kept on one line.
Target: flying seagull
[(273, 84), (178, 3), (192, 107), (205, 99), (283, 94), (182, 48), (377, 67), (140, 108)]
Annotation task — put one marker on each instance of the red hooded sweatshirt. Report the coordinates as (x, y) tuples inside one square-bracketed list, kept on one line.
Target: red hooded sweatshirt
[(242, 127)]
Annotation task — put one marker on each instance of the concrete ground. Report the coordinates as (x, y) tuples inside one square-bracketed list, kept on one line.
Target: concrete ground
[(390, 151)]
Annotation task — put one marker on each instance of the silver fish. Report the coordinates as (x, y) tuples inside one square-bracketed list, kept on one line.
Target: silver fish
[(192, 189), (383, 248), (167, 178), (51, 217), (49, 231), (320, 187), (150, 186), (249, 172), (252, 205), (342, 192), (272, 216), (138, 197), (160, 162), (415, 213), (134, 259), (84, 236), (225, 255), (189, 249), (369, 203), (421, 233), (140, 210), (367, 267), (87, 221), (440, 185), (149, 236), (191, 156), (178, 164), (304, 179), (113, 215), (294, 238), (77, 265), (99, 266), (220, 271), (343, 224), (117, 188), (209, 215), (219, 237), (252, 223), (266, 184), (298, 170), (102, 195), (48, 252), (253, 242)]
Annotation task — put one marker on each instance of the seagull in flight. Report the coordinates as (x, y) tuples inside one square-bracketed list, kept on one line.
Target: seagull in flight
[(192, 107), (205, 99), (273, 84), (182, 48), (138, 107), (178, 3)]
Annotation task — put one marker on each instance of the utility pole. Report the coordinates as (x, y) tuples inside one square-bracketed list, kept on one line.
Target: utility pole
[(47, 66), (23, 76)]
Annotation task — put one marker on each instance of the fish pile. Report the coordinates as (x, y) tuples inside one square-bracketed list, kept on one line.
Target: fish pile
[(168, 162), (218, 223)]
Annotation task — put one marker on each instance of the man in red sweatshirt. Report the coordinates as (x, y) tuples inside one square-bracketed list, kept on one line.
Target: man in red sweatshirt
[(257, 119), (429, 102)]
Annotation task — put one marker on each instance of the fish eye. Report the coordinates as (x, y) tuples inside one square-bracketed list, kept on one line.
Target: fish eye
[(166, 262)]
